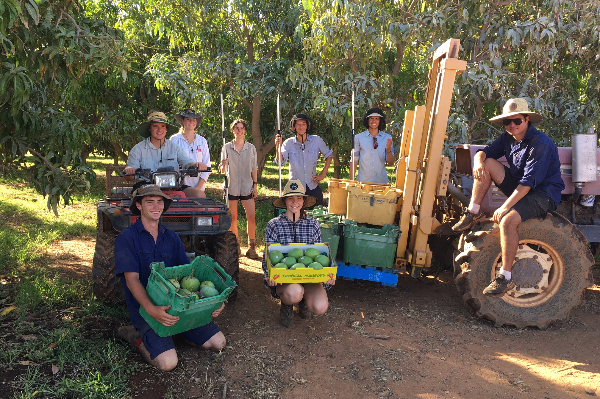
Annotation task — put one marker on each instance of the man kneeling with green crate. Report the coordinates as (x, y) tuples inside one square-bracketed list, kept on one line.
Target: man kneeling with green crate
[(144, 242)]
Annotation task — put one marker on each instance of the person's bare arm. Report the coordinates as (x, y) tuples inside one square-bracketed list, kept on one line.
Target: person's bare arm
[(138, 291), (515, 197)]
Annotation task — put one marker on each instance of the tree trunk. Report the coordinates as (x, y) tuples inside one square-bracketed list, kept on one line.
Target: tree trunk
[(120, 153), (84, 153), (337, 166)]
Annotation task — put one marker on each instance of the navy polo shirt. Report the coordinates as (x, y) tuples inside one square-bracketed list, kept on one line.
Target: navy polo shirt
[(135, 250), (533, 160)]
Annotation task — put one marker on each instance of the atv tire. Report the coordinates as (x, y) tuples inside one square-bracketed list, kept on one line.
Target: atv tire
[(107, 286), (552, 269)]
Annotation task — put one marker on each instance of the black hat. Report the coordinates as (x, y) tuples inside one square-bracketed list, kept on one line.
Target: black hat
[(188, 113), (301, 117), (144, 191), (375, 112)]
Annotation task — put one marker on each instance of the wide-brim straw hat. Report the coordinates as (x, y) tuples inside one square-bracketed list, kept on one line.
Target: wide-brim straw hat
[(148, 190), (188, 113), (293, 188), (156, 116), (375, 112), (516, 106)]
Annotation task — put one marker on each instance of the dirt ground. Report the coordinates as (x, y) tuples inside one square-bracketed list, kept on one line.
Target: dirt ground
[(417, 340)]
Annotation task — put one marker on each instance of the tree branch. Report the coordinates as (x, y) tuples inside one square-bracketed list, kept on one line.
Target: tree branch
[(399, 58), (274, 48)]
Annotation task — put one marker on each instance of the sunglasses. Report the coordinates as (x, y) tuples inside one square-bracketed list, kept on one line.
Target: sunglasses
[(375, 143), (516, 121)]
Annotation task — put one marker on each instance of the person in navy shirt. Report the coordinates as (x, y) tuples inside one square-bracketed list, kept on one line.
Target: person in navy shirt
[(532, 182), (145, 242)]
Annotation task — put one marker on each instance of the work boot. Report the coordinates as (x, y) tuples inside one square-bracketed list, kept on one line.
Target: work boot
[(129, 334), (467, 221), (286, 317), (251, 252), (498, 286), (303, 311)]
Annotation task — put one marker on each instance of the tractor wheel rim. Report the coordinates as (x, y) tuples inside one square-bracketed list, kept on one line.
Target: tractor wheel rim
[(538, 274)]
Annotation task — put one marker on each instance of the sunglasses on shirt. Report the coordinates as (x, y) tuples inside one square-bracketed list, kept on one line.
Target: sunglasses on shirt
[(516, 121), (375, 143)]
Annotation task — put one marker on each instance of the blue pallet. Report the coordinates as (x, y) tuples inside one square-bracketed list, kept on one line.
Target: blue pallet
[(356, 272)]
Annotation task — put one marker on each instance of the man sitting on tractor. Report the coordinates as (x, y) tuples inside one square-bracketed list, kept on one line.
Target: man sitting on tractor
[(145, 242), (532, 182), (158, 152)]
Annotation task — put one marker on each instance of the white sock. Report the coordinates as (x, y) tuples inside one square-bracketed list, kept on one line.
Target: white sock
[(507, 275), (473, 208)]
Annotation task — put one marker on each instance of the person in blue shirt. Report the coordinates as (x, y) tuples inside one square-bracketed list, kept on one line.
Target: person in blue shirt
[(372, 149), (303, 151), (532, 182), (145, 242)]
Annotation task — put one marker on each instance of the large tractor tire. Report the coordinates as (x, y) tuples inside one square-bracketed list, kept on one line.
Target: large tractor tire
[(223, 249), (107, 286), (552, 269)]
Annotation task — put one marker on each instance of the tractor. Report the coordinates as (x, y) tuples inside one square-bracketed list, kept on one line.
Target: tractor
[(553, 264), (201, 223)]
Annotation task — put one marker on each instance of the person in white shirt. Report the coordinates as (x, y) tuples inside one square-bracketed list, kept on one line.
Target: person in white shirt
[(195, 145), (372, 149)]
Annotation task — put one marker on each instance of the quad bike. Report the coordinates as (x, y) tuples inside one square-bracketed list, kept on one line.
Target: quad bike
[(201, 223)]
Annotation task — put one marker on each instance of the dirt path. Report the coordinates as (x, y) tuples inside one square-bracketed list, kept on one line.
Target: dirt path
[(414, 341)]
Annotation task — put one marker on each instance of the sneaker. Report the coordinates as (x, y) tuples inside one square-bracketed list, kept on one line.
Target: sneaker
[(251, 253), (498, 287), (467, 221), (303, 311), (286, 318)]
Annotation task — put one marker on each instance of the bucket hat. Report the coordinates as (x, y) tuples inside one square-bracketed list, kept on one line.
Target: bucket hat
[(516, 106), (301, 117), (292, 188), (375, 112), (156, 116), (144, 191), (188, 113)]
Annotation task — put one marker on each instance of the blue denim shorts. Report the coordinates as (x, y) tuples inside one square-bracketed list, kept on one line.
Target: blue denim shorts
[(156, 345), (532, 205)]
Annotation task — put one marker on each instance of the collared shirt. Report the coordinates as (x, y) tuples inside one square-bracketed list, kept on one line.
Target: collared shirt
[(240, 167), (281, 230), (372, 160), (303, 158), (198, 151), (533, 160), (135, 250), (146, 156)]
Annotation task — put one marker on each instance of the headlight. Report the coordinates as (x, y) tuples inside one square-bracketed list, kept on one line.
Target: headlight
[(204, 221), (168, 180)]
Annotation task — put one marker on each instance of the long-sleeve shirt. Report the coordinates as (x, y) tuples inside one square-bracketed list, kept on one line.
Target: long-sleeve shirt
[(303, 158), (371, 160), (198, 151), (146, 156), (533, 160)]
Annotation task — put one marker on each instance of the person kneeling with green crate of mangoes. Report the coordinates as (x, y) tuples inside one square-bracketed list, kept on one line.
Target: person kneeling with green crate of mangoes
[(293, 226), (145, 242)]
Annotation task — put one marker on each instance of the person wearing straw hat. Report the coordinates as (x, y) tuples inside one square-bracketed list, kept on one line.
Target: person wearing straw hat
[(144, 242), (194, 144), (157, 152), (293, 226), (242, 175), (373, 148), (303, 151), (532, 182)]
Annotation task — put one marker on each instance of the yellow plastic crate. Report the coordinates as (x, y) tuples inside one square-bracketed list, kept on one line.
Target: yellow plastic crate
[(377, 207), (338, 196), (304, 275)]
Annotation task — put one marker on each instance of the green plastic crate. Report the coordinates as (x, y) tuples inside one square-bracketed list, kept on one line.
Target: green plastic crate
[(192, 312), (370, 246), (329, 234)]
